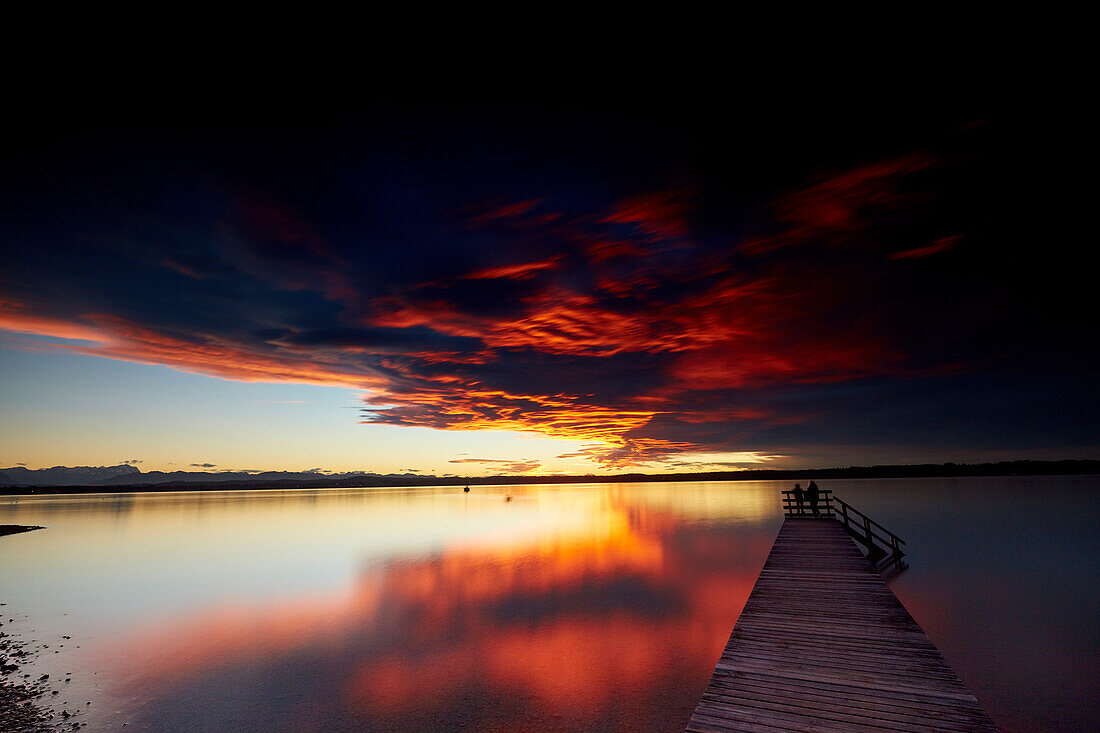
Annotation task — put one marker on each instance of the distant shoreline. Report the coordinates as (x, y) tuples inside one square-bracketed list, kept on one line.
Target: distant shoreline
[(6, 529), (943, 470)]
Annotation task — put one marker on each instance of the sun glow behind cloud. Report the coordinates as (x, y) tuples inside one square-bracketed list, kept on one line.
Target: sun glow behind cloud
[(647, 289), (636, 314)]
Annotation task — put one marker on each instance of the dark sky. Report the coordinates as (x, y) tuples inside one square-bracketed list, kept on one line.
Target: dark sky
[(842, 279)]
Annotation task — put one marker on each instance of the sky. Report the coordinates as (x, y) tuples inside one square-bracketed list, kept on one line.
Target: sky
[(597, 286)]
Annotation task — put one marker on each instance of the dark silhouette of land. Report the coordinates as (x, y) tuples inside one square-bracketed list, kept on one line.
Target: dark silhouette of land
[(16, 528), (1004, 468)]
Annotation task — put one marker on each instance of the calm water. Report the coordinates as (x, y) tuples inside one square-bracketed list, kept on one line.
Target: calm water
[(595, 607)]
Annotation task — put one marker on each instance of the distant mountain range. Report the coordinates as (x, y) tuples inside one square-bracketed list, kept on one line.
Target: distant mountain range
[(125, 475), (66, 475)]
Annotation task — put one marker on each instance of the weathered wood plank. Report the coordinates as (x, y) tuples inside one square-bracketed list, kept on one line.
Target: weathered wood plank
[(823, 644)]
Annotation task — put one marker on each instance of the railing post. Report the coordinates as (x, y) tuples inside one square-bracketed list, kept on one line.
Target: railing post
[(890, 543)]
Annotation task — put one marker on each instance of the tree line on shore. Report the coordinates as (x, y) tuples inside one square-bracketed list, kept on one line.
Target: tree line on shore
[(928, 470)]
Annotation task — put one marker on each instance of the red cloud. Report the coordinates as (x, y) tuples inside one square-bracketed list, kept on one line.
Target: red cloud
[(835, 208), (494, 211), (660, 214), (211, 355), (117, 338), (284, 248), (940, 245), (705, 321), (606, 249), (725, 330), (728, 415), (515, 272), (17, 317)]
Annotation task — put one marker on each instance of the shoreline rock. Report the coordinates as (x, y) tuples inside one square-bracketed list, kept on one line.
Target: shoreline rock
[(21, 709)]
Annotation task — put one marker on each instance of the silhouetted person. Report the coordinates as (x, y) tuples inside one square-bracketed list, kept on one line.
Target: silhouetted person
[(798, 494), (813, 494)]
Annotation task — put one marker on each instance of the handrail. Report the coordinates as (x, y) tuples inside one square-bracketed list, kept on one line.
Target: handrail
[(849, 506), (859, 526), (824, 505)]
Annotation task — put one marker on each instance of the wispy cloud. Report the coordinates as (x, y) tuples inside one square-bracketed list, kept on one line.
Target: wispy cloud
[(503, 464), (940, 245)]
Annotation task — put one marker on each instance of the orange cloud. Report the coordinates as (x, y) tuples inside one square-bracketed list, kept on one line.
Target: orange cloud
[(503, 464), (515, 272), (117, 338), (626, 452), (463, 407), (18, 318)]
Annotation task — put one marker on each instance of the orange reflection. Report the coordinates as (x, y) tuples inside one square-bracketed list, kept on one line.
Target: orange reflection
[(611, 613)]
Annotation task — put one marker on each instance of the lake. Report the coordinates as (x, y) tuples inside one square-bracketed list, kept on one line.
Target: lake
[(594, 607)]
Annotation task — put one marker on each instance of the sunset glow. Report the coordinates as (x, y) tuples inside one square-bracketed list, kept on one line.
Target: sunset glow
[(651, 299)]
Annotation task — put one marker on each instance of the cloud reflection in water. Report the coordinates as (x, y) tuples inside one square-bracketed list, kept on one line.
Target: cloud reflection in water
[(610, 622)]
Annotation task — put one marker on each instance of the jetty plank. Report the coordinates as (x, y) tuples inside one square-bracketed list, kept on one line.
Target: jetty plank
[(823, 644)]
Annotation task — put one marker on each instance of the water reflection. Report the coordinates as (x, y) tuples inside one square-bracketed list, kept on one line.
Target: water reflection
[(570, 609), (598, 607)]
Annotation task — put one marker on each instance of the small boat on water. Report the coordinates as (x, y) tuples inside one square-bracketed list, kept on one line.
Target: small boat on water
[(467, 489)]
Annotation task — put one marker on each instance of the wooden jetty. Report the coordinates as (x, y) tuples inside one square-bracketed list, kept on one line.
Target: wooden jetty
[(824, 645)]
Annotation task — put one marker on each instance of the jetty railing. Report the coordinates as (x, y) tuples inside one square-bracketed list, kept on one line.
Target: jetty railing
[(864, 533), (879, 541), (802, 509)]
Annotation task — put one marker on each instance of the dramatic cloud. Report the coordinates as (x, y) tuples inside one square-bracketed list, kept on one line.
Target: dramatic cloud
[(603, 285)]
